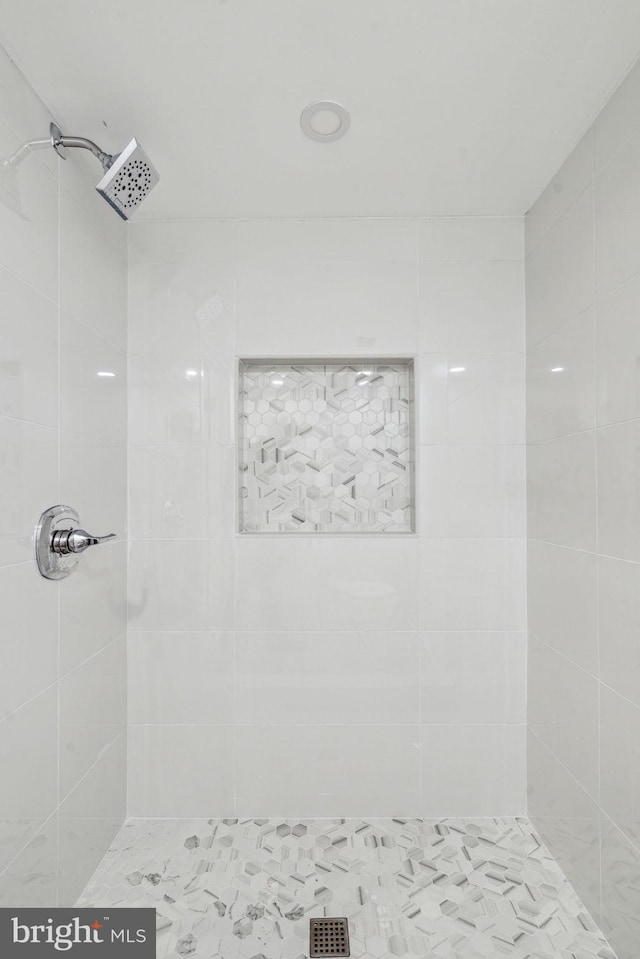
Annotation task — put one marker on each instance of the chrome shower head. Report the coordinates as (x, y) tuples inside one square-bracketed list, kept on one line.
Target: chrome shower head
[(128, 180), (128, 176)]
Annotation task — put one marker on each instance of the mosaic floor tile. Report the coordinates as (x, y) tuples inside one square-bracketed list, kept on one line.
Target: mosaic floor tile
[(448, 889)]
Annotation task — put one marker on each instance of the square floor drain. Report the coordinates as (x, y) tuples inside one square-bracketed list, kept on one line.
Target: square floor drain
[(328, 937)]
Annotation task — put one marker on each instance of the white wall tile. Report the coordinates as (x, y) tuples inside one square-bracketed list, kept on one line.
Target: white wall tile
[(619, 625), (472, 584), (334, 678), (181, 306), (618, 354), (93, 255), (93, 604), (93, 712), (563, 601), (573, 177), (181, 677), (563, 712), (29, 218), (28, 353), (89, 403), (310, 583), (561, 381), (32, 878), (561, 491), (473, 770), (89, 818), (30, 753), (486, 399), (617, 120), (181, 772), (181, 585), (180, 241), (30, 635), (618, 477), (471, 306), (29, 485), (471, 238), (620, 758), (620, 897), (54, 226), (431, 373), (93, 477), (473, 677), (181, 399), (362, 770), (326, 287), (617, 203), (559, 276), (568, 819), (472, 491), (182, 492)]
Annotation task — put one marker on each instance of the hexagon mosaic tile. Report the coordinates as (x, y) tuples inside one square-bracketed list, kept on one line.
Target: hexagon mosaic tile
[(449, 889), (326, 447)]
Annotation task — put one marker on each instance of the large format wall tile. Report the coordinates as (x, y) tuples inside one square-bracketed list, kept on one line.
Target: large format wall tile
[(324, 629), (560, 381), (618, 354), (473, 306), (472, 491), (180, 772), (311, 583), (617, 221), (620, 759), (561, 491), (473, 770), (559, 275), (28, 352), (181, 677), (563, 712), (473, 677), (30, 753), (620, 894), (562, 601), (30, 635), (327, 678), (181, 584), (568, 819), (619, 625), (340, 767), (583, 306), (618, 479), (472, 584)]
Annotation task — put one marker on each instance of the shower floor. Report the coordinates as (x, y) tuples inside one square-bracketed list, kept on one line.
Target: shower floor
[(447, 889)]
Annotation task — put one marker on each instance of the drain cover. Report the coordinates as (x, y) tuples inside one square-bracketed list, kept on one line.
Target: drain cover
[(328, 937)]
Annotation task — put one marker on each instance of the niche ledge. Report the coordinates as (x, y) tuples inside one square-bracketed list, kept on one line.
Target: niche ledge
[(326, 445)]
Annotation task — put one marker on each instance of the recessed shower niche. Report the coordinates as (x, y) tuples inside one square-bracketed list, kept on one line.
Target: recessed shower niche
[(326, 445)]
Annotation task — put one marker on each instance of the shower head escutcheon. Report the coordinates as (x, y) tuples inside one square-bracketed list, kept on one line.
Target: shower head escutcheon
[(128, 176)]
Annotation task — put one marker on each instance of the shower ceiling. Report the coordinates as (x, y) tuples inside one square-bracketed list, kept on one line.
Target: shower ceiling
[(457, 106)]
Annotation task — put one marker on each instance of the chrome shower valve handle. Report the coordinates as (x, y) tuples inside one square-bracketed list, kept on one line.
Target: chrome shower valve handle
[(65, 541), (59, 541)]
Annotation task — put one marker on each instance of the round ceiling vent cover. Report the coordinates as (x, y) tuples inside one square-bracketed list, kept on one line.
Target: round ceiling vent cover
[(325, 120)]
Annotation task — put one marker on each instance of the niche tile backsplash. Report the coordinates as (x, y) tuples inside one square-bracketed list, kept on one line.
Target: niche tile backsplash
[(326, 446)]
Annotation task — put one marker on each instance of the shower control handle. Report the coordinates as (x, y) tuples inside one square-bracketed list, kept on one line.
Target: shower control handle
[(65, 541)]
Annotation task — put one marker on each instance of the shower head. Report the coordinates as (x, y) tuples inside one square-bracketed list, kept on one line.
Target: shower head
[(128, 180), (128, 176)]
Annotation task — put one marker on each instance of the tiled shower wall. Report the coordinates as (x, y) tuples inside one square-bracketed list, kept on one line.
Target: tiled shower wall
[(338, 674), (62, 439), (583, 337)]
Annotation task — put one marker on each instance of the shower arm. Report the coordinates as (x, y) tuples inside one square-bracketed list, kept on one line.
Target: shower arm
[(61, 143)]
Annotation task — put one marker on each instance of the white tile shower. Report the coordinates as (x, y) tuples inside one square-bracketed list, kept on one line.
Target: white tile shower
[(337, 645)]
